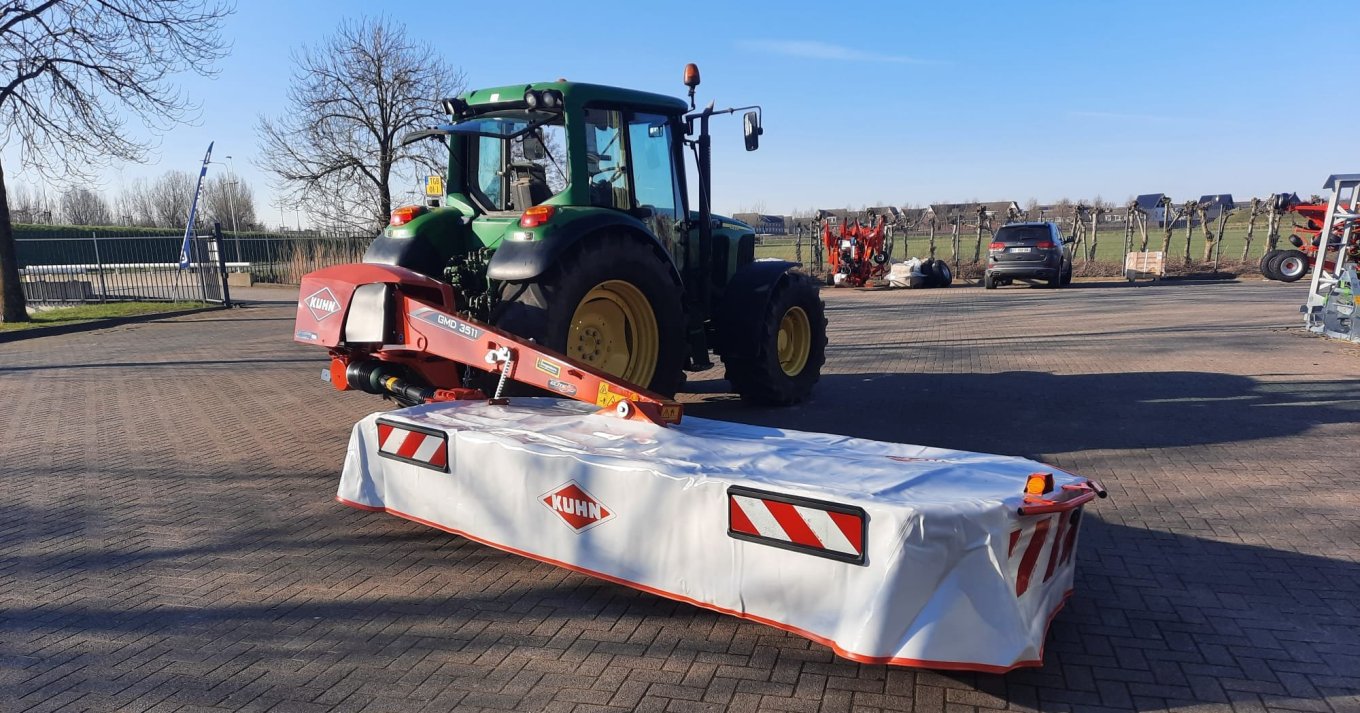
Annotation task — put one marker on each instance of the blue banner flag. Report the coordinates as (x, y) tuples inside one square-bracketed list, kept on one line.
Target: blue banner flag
[(193, 211)]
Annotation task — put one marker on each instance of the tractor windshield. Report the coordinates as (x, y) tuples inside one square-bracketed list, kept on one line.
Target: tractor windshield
[(515, 159)]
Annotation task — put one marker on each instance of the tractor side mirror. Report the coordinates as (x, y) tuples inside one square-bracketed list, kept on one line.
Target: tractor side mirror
[(534, 149), (751, 130)]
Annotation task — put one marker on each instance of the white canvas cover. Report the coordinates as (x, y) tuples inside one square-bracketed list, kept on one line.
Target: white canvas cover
[(887, 553)]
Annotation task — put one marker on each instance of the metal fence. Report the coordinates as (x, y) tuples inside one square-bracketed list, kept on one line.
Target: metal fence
[(138, 268), (286, 260), (117, 269)]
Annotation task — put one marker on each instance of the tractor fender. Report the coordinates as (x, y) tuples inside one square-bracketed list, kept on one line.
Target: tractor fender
[(519, 261), (424, 244), (745, 298)]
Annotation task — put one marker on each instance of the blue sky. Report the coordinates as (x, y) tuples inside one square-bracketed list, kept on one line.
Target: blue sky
[(865, 103)]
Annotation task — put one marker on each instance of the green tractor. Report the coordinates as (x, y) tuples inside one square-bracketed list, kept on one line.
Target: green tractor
[(564, 217)]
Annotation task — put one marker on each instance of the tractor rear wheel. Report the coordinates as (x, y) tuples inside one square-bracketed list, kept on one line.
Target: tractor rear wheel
[(612, 303), (785, 349)]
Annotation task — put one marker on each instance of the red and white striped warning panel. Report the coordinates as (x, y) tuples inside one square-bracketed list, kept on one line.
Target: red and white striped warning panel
[(416, 445), (804, 525), (1040, 547)]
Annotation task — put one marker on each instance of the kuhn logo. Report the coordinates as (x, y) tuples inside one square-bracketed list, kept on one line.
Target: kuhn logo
[(578, 508), (322, 304)]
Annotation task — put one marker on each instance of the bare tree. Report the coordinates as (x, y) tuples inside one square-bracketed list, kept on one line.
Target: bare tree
[(29, 205), (171, 196), (82, 206), (1139, 216), (1171, 214), (1131, 211), (352, 99), (1256, 204), (984, 223), (1190, 209), (1279, 205), (230, 201), (1097, 210), (1212, 236), (135, 205), (954, 221), (73, 73)]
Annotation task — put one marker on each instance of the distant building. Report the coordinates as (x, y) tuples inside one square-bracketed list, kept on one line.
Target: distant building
[(1214, 205), (1151, 203), (765, 224), (998, 212)]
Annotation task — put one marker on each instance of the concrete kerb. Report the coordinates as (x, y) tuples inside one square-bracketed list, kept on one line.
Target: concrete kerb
[(94, 324)]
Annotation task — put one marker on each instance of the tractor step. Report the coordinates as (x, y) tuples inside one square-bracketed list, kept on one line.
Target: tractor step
[(886, 553)]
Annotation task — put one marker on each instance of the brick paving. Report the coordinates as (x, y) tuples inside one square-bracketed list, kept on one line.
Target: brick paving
[(170, 543)]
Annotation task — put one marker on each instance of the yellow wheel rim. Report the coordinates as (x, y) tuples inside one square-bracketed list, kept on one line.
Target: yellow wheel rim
[(614, 330), (794, 341)]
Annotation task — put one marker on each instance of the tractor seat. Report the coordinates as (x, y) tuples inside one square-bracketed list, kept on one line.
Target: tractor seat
[(528, 185)]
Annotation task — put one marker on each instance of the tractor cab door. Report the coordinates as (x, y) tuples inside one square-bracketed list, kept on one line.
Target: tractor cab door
[(631, 163), (656, 187)]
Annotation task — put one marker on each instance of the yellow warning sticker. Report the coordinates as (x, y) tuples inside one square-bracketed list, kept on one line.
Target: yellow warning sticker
[(607, 398)]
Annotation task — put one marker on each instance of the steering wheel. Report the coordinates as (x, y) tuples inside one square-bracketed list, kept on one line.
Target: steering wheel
[(614, 173)]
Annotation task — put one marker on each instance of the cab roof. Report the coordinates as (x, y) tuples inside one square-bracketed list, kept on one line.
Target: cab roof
[(578, 93)]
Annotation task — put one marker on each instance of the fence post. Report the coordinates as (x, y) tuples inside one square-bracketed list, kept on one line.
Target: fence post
[(99, 266), (221, 264)]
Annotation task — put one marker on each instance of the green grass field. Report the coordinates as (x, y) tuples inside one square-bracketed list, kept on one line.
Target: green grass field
[(91, 312), (1109, 247)]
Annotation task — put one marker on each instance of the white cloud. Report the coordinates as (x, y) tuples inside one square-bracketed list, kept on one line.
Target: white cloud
[(814, 49)]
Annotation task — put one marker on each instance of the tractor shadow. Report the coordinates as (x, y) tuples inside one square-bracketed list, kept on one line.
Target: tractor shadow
[(1027, 412)]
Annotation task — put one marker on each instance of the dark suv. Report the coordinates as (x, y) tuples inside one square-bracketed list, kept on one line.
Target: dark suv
[(1028, 251)]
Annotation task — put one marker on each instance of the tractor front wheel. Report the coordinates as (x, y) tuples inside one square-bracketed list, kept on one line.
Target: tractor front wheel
[(612, 303), (786, 348)]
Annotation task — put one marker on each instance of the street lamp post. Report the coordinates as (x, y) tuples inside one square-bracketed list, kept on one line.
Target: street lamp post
[(231, 202)]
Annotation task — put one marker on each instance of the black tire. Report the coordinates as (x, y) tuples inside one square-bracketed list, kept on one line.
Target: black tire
[(1272, 267), (944, 277), (928, 273), (1265, 260), (1067, 276), (544, 308), (1291, 265), (988, 282), (754, 368), (1054, 282)]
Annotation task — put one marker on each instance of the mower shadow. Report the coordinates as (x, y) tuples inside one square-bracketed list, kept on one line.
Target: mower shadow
[(1165, 611), (1026, 412)]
